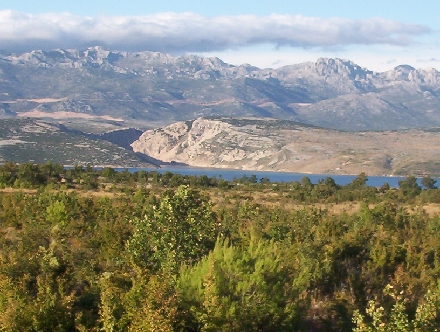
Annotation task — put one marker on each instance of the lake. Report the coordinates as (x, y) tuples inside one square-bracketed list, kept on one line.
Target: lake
[(231, 174)]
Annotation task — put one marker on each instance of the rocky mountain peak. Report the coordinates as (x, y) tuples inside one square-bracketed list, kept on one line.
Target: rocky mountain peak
[(155, 58), (406, 73), (214, 63), (95, 53), (403, 72), (404, 68), (335, 66)]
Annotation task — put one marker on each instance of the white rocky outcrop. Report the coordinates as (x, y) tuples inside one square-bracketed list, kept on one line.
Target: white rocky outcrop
[(213, 142), (265, 144), (181, 141)]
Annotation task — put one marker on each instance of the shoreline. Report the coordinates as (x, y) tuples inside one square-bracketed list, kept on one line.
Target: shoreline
[(220, 169)]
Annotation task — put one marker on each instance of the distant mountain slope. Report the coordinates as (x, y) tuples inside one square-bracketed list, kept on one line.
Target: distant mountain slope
[(280, 145), (148, 89), (28, 140)]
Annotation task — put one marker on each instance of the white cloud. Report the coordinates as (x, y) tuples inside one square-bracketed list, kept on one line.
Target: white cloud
[(431, 60), (188, 32)]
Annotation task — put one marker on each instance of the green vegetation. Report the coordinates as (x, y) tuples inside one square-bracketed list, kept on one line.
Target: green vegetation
[(99, 250), (23, 140)]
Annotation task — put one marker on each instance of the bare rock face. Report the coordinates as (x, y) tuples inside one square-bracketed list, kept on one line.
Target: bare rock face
[(227, 143), (207, 142), (182, 141), (267, 144)]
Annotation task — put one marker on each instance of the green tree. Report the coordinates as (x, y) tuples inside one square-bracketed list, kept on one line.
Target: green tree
[(239, 289), (428, 182), (181, 228), (360, 181), (8, 174), (151, 303), (15, 315), (409, 187), (306, 183), (395, 318), (29, 175)]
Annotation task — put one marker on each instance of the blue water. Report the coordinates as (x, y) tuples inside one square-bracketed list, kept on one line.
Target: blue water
[(231, 174)]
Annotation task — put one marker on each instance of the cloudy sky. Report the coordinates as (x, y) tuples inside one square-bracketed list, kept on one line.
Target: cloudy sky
[(375, 34)]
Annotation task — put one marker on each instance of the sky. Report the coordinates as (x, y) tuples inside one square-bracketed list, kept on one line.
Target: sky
[(377, 35)]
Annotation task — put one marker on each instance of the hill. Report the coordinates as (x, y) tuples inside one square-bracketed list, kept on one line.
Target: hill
[(280, 145), (29, 140)]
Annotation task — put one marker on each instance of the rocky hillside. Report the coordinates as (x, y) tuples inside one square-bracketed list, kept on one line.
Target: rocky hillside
[(29, 140), (279, 145), (148, 89)]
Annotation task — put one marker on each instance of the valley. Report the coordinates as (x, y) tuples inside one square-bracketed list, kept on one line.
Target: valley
[(330, 116)]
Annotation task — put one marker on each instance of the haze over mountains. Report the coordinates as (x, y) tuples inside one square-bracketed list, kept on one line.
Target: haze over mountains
[(147, 89)]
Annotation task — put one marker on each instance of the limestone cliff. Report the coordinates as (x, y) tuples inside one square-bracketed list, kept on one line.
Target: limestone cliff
[(209, 143), (267, 144)]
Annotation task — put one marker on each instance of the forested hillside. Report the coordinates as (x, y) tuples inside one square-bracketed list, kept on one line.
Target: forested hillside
[(89, 250)]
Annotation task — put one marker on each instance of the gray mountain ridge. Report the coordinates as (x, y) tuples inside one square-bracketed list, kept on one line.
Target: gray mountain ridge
[(151, 89)]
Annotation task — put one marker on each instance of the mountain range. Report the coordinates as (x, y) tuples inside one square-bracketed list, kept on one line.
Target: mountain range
[(147, 109), (145, 90)]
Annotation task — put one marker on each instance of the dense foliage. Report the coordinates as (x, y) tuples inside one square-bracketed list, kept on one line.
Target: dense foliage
[(100, 250)]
